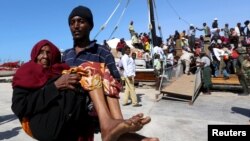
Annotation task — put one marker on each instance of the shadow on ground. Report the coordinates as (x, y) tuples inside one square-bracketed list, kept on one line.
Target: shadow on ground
[(7, 118), (242, 111), (10, 133), (139, 97)]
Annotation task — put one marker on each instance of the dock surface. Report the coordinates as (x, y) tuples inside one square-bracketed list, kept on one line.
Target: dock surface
[(170, 120)]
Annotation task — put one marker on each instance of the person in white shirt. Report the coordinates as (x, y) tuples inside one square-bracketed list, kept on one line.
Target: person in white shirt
[(128, 64), (157, 70), (237, 29), (219, 64), (218, 53), (158, 50), (147, 58), (168, 62)]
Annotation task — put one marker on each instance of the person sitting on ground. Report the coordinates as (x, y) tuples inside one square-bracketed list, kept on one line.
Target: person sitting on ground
[(51, 106)]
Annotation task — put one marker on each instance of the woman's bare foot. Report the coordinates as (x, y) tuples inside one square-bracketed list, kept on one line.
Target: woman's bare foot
[(143, 120), (117, 127)]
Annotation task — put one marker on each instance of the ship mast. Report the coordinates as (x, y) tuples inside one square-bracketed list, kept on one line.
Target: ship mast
[(152, 23)]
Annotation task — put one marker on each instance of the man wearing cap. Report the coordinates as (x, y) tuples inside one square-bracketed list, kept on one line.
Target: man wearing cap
[(81, 23)]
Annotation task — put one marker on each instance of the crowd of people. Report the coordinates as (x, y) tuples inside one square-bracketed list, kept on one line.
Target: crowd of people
[(223, 46)]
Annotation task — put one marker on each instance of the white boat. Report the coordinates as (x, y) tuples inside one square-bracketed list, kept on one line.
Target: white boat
[(9, 68), (4, 73)]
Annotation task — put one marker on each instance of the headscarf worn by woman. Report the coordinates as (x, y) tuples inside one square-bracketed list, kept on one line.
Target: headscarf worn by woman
[(32, 75)]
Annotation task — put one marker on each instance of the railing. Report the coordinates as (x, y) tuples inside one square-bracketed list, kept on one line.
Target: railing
[(170, 74), (197, 84)]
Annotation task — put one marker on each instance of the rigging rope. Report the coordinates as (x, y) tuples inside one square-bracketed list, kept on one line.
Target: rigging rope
[(119, 20), (175, 11), (105, 24)]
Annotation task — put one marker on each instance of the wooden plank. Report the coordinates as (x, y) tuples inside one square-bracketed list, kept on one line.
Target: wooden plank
[(233, 80), (184, 85)]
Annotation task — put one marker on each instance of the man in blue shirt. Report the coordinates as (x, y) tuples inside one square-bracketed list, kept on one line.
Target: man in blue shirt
[(84, 50)]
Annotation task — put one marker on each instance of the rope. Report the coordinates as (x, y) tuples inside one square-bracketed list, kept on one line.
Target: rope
[(105, 24), (119, 20), (178, 15)]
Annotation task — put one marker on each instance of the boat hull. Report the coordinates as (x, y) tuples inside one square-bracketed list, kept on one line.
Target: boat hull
[(145, 75)]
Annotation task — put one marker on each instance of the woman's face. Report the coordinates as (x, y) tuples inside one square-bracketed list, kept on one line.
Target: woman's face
[(44, 56)]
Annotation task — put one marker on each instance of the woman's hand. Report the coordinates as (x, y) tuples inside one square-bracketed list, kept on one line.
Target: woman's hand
[(67, 81)]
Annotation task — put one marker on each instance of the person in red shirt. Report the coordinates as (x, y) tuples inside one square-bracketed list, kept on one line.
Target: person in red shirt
[(120, 46)]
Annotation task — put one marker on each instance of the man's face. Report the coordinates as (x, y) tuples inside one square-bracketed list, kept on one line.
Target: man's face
[(127, 51), (134, 56), (79, 28)]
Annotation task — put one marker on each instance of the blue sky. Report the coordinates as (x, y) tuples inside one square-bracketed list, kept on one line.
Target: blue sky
[(25, 22)]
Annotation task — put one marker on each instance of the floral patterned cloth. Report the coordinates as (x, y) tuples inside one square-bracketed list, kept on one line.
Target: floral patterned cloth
[(98, 75)]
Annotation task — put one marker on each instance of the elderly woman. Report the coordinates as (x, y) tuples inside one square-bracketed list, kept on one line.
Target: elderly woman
[(51, 106)]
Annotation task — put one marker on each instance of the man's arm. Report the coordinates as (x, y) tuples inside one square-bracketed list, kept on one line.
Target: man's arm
[(200, 29)]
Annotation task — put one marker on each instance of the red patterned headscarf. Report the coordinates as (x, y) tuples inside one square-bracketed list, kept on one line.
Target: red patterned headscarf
[(32, 75)]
